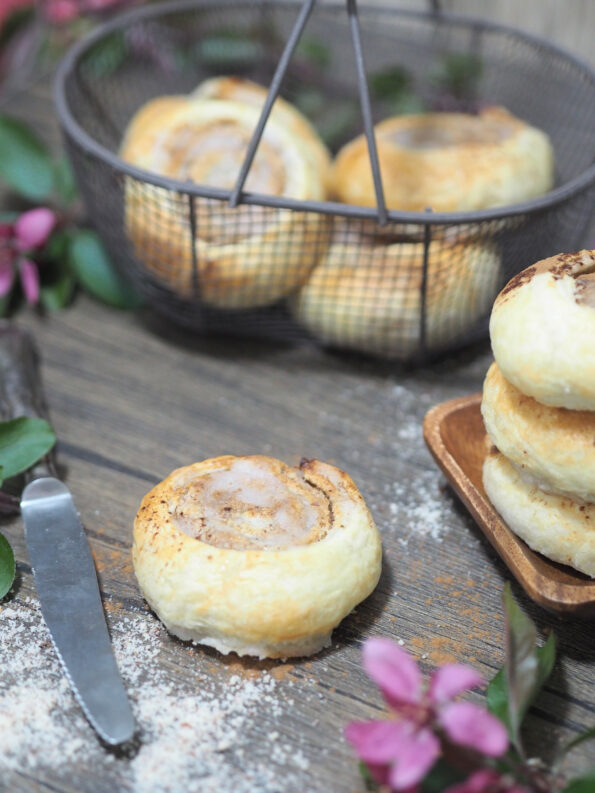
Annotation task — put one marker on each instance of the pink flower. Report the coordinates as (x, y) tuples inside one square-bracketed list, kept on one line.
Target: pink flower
[(486, 781), (29, 233), (33, 228), (401, 751)]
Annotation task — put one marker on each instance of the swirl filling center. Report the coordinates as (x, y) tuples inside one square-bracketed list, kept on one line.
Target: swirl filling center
[(251, 505)]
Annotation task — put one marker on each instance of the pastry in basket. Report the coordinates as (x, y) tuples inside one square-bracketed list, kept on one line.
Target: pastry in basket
[(450, 162), (232, 258), (561, 528), (366, 294), (542, 330), (552, 448), (238, 89), (249, 555)]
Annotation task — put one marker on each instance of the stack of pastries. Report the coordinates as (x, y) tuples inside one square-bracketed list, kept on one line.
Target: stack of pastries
[(538, 407)]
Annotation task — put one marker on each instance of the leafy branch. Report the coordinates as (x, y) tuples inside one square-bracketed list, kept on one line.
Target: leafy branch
[(45, 249)]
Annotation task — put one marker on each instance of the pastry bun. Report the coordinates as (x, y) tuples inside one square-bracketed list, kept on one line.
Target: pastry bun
[(450, 162), (231, 258), (551, 447), (238, 89), (542, 329), (248, 555), (560, 528), (366, 293)]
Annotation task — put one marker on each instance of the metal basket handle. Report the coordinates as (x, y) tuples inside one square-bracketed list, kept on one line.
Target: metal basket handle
[(364, 95)]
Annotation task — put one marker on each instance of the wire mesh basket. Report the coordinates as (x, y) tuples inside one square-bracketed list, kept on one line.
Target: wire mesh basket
[(239, 260)]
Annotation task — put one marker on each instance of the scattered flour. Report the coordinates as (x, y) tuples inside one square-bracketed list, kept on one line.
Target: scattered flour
[(191, 741)]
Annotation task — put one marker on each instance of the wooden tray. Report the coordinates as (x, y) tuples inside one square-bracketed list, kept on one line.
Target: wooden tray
[(456, 437)]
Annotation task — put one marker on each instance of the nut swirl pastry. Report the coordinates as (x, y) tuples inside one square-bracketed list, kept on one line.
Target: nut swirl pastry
[(542, 329), (553, 448), (561, 528), (238, 258), (238, 89), (246, 554), (366, 293), (451, 162)]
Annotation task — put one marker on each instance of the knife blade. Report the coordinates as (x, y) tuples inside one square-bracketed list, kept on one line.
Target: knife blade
[(60, 556)]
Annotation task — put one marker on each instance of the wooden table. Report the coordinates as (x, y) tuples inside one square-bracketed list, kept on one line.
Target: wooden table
[(131, 399)]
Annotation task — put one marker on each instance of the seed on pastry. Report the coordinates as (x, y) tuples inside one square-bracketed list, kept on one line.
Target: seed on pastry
[(450, 162), (554, 448), (237, 258), (249, 555), (542, 329), (366, 294), (561, 528)]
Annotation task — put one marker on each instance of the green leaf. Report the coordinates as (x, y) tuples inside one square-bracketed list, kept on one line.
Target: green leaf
[(459, 73), (366, 775), (24, 162), (582, 737), (64, 181), (441, 776), (58, 294), (23, 442), (107, 55), (228, 50), (581, 784), (315, 51), (390, 83), (5, 304), (527, 667), (92, 268), (7, 566)]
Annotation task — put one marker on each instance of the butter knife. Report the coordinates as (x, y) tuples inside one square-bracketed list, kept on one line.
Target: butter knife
[(63, 568)]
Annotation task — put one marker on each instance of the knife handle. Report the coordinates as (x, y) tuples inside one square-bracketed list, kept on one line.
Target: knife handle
[(21, 390)]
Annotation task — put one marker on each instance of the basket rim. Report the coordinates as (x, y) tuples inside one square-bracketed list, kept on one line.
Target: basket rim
[(165, 8)]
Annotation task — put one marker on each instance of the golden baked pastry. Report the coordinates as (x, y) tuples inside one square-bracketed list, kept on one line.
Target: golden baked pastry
[(236, 258), (553, 448), (542, 329), (238, 89), (366, 293), (246, 554), (560, 528), (451, 162)]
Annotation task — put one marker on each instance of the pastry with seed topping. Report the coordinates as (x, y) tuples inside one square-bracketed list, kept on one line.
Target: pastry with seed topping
[(249, 555)]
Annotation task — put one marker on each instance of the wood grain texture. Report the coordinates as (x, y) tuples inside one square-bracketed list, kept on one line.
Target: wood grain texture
[(131, 399)]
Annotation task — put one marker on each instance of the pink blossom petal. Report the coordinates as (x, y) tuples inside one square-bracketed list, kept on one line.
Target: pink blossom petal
[(451, 680), (377, 741), (6, 275), (60, 11), (417, 753), (34, 227), (5, 231), (470, 725), (394, 671), (29, 280)]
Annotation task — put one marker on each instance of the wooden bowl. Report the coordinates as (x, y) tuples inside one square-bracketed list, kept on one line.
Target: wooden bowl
[(456, 437)]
